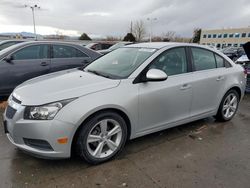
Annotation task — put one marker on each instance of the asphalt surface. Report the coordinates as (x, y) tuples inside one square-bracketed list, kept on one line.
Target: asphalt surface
[(203, 154)]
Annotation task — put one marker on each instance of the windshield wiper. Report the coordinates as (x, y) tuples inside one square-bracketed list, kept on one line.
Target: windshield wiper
[(99, 73)]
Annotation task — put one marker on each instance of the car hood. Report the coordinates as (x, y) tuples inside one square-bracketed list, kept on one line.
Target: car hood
[(246, 47), (61, 85)]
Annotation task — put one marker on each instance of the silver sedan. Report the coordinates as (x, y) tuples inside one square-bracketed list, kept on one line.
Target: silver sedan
[(133, 91)]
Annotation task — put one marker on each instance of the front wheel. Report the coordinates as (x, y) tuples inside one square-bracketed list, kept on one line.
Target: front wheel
[(102, 137), (228, 106)]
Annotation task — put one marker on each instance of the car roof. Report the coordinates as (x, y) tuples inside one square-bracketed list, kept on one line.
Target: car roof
[(26, 43), (49, 42), (23, 44), (159, 45)]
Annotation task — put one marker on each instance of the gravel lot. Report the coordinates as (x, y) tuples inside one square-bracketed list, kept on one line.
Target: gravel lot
[(204, 153)]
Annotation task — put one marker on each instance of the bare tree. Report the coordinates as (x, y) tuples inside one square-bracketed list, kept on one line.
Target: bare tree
[(139, 30), (169, 36), (113, 38)]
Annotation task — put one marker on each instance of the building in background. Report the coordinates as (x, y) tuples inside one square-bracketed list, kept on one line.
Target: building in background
[(222, 38)]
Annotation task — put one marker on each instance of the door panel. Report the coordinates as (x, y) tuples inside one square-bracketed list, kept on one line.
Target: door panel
[(208, 87), (208, 83), (67, 63), (4, 78), (161, 103), (169, 101), (29, 62), (14, 73)]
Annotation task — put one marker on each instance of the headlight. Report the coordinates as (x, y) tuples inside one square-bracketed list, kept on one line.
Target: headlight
[(45, 112)]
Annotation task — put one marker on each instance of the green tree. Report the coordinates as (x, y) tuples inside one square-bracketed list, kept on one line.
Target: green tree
[(129, 37), (196, 35), (84, 36)]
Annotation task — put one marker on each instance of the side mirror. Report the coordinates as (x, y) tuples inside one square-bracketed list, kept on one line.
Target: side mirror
[(156, 75), (8, 59)]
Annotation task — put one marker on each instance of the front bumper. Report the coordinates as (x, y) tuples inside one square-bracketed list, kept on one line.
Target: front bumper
[(18, 130)]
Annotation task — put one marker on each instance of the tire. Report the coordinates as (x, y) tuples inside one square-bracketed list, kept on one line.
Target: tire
[(227, 109), (96, 143)]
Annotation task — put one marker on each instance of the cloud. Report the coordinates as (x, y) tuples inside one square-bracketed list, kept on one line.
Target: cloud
[(112, 17), (45, 30), (96, 14)]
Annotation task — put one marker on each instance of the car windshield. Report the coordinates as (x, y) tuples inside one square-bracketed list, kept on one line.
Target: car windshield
[(120, 63), (7, 49)]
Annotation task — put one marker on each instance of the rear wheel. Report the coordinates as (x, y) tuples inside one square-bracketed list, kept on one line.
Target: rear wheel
[(228, 106), (102, 137)]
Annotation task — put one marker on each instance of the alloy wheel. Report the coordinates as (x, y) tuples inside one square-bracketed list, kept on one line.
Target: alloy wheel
[(230, 105), (104, 138)]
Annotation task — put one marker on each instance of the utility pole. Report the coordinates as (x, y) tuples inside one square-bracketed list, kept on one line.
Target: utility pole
[(33, 8), (151, 32), (131, 27)]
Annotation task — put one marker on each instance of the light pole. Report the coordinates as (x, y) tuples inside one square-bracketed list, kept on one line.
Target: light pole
[(150, 22), (33, 16)]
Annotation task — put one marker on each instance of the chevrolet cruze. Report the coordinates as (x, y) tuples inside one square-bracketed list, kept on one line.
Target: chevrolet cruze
[(133, 91)]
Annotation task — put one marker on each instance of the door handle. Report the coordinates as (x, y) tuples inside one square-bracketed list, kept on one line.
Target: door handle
[(219, 78), (44, 64), (185, 86)]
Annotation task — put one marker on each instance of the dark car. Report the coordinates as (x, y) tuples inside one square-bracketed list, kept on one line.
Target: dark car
[(114, 47), (7, 43), (233, 52), (245, 62), (27, 60), (99, 45)]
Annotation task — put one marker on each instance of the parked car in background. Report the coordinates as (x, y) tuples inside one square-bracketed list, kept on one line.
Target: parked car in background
[(7, 43), (27, 60), (130, 92), (114, 47), (99, 45), (245, 62), (233, 52)]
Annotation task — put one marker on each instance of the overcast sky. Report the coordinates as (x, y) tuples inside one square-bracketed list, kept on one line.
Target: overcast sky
[(113, 17)]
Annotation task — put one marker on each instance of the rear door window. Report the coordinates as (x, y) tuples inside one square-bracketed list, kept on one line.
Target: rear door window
[(62, 51), (203, 59)]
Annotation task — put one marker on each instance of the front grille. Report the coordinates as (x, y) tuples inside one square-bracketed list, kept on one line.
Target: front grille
[(16, 100), (38, 144), (10, 112)]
